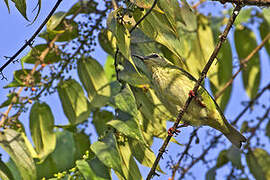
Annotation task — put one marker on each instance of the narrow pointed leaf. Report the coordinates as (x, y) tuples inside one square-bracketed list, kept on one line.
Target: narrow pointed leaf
[(94, 80), (21, 6), (41, 128), (75, 105), (55, 20), (251, 75), (234, 155), (264, 30), (107, 152), (5, 172)]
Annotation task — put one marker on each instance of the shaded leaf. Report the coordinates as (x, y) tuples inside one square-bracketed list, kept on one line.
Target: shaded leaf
[(10, 97), (267, 131), (12, 142), (34, 55), (222, 158), (75, 105), (94, 80), (41, 128), (21, 6), (251, 75), (19, 78), (211, 174), (234, 155), (107, 152), (68, 30), (84, 6), (5, 172), (258, 161), (100, 118), (107, 41), (264, 30), (81, 143)]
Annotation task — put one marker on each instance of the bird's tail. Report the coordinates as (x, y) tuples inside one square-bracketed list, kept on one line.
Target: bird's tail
[(235, 136)]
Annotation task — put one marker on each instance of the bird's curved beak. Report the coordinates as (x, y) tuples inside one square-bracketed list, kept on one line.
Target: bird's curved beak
[(139, 57)]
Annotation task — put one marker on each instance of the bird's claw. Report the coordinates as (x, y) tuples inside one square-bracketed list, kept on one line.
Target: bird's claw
[(172, 131), (191, 93)]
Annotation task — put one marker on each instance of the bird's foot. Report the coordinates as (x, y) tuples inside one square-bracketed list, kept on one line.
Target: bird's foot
[(197, 99), (172, 130)]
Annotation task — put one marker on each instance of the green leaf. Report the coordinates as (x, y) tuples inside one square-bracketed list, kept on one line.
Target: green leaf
[(82, 144), (5, 172), (109, 69), (266, 14), (94, 81), (21, 6), (129, 166), (211, 174), (243, 17), (14, 170), (55, 20), (234, 155), (222, 158), (264, 30), (258, 161), (75, 105), (84, 6), (6, 2), (189, 17), (107, 152), (100, 118), (251, 74), (107, 41), (142, 153), (34, 55), (12, 142), (61, 159), (10, 97), (267, 131), (19, 77), (41, 128), (68, 30)]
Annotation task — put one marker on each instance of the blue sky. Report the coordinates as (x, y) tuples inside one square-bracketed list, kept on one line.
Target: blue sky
[(15, 30)]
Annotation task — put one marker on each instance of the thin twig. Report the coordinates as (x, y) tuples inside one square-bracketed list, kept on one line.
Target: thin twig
[(242, 65), (222, 38), (216, 138), (29, 42), (247, 2), (175, 168)]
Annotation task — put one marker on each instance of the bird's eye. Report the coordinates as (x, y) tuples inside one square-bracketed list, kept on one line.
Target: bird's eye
[(154, 55)]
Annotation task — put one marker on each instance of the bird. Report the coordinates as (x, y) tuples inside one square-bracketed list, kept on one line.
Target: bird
[(173, 85)]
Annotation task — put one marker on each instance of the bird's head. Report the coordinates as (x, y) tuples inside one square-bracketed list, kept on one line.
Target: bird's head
[(153, 60)]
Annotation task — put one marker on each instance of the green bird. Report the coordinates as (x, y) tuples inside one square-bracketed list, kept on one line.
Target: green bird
[(173, 85)]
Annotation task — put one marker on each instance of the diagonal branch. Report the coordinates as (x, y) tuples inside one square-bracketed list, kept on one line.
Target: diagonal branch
[(222, 38), (247, 2), (242, 65), (30, 41)]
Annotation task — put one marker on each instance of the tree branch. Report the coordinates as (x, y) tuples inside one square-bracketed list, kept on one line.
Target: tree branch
[(222, 38), (30, 41), (247, 2)]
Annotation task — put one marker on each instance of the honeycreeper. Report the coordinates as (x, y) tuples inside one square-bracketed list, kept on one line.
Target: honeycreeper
[(173, 85)]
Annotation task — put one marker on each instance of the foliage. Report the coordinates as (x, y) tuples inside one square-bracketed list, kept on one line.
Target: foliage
[(118, 99)]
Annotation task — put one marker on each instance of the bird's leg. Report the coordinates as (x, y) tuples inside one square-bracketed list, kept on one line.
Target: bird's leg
[(172, 130), (197, 99)]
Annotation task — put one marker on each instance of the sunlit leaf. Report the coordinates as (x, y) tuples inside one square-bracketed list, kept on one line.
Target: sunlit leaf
[(12, 142), (129, 166), (41, 128), (107, 41), (258, 161), (243, 17), (75, 105), (94, 80), (251, 74), (55, 20), (107, 152)]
